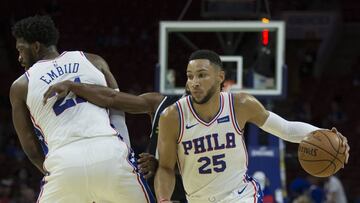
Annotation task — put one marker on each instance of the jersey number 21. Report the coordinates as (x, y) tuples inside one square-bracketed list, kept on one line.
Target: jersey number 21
[(60, 106)]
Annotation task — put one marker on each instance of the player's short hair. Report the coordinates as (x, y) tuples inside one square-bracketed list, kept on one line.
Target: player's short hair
[(36, 28), (212, 56)]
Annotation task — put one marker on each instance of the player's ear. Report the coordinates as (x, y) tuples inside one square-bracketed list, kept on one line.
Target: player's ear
[(35, 47), (221, 76)]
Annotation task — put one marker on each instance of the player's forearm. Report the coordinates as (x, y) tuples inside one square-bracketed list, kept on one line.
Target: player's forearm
[(164, 183), (99, 95), (110, 98), (291, 131)]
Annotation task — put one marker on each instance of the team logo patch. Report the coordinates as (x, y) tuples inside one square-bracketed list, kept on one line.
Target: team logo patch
[(223, 119)]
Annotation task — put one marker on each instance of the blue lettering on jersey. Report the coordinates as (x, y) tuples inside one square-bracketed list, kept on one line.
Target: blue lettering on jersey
[(44, 79), (59, 71), (215, 163), (60, 106), (216, 140), (208, 143), (223, 119), (52, 75), (199, 145)]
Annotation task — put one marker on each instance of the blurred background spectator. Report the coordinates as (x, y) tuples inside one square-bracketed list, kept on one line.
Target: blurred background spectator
[(323, 77)]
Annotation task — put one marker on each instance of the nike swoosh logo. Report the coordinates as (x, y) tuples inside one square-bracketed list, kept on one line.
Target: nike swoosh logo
[(190, 126), (239, 192)]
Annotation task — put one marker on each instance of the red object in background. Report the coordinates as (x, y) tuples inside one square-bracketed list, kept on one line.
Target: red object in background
[(268, 199), (265, 37)]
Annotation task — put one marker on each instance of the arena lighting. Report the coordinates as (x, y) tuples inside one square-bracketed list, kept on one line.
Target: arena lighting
[(265, 33), (265, 37), (265, 20)]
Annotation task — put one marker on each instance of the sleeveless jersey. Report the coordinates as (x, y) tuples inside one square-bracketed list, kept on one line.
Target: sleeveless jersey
[(212, 156), (165, 102), (179, 193), (72, 118)]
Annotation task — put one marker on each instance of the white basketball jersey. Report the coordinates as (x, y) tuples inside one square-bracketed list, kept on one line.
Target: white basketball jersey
[(72, 118), (212, 156)]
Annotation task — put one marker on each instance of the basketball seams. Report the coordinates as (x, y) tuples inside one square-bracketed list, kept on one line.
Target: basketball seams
[(322, 149), (337, 150), (321, 160), (331, 163), (314, 160), (328, 140), (330, 155)]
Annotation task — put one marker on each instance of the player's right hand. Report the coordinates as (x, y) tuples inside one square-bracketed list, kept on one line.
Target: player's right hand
[(344, 143), (59, 90)]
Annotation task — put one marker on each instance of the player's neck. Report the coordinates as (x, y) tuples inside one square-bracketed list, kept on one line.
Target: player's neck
[(49, 53), (207, 111)]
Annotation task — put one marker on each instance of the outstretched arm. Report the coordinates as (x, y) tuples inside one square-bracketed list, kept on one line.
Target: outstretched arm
[(117, 118), (249, 109), (253, 111), (167, 147), (104, 96), (23, 125)]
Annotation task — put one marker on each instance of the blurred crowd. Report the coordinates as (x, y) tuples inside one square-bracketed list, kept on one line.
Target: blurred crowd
[(129, 45)]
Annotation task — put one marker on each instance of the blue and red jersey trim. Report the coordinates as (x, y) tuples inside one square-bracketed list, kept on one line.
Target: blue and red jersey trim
[(207, 124)]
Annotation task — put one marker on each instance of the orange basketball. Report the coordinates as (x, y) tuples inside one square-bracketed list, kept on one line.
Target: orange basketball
[(321, 153)]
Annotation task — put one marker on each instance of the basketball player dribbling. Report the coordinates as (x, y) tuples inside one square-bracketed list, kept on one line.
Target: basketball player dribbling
[(86, 159), (203, 134)]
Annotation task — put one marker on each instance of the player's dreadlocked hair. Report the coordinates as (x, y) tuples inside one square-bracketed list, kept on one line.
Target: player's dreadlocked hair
[(36, 28), (207, 54)]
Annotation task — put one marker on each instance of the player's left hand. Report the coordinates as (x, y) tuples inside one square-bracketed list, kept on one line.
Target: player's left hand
[(344, 143), (147, 164), (60, 89)]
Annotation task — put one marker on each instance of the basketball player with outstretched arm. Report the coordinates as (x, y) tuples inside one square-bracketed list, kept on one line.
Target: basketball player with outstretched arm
[(203, 134), (151, 103), (85, 160)]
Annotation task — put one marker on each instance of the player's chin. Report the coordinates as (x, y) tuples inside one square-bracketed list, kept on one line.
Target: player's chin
[(199, 100), (197, 95)]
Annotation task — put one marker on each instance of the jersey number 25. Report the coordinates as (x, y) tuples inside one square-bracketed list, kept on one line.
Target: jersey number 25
[(219, 165)]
